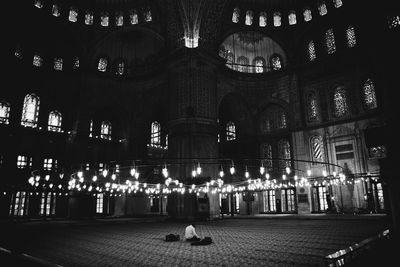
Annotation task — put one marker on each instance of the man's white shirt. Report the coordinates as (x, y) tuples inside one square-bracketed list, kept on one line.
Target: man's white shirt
[(190, 232)]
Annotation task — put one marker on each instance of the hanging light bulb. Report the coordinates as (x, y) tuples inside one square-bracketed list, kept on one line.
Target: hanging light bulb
[(165, 171), (47, 177), (232, 169), (133, 171), (137, 174), (267, 176), (284, 176), (81, 180), (221, 172), (198, 169), (308, 172), (334, 174), (194, 173), (113, 176), (262, 169), (324, 173), (61, 175), (287, 170), (246, 173), (105, 172), (80, 173), (94, 179)]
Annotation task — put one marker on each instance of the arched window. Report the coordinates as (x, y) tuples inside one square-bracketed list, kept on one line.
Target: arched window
[(274, 118), (166, 141), (330, 42), (55, 120), (282, 124), (38, 3), (37, 61), (89, 17), (30, 111), (322, 8), (58, 64), (236, 15), (259, 64), (18, 52), (249, 17), (155, 138), (147, 15), (351, 37), (284, 154), (369, 95), (340, 107), (292, 17), (230, 131), (307, 14), (243, 64), (119, 18), (104, 19), (4, 113), (120, 68), (337, 3), (133, 16), (105, 130), (266, 154), (312, 107), (276, 62), (312, 55), (73, 14), (55, 10), (263, 19), (393, 21), (75, 65), (277, 19), (317, 148), (102, 65)]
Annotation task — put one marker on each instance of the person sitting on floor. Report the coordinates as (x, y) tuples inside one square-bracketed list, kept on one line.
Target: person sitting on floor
[(190, 233)]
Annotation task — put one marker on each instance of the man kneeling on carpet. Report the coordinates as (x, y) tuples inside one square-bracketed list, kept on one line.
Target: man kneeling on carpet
[(190, 233)]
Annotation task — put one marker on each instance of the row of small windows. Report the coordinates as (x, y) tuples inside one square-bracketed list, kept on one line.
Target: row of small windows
[(24, 161), (277, 16), (242, 63), (133, 17), (330, 43), (340, 101)]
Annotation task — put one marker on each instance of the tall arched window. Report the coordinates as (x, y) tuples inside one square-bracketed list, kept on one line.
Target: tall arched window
[(120, 68), (37, 61), (307, 14), (281, 119), (30, 111), (337, 3), (317, 148), (102, 64), (266, 154), (243, 64), (58, 64), (277, 19), (284, 154), (38, 3), (312, 107), (351, 37), (236, 15), (340, 107), (4, 113), (55, 10), (18, 52), (312, 55), (89, 17), (73, 14), (276, 62), (147, 14), (230, 131), (249, 17), (155, 138), (369, 95), (104, 19), (393, 21), (322, 8), (292, 17), (263, 19), (133, 17), (330, 42), (105, 130), (75, 65), (259, 64), (55, 120), (119, 18)]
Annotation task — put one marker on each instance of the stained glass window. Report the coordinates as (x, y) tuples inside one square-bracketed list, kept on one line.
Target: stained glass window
[(337, 3), (236, 15), (30, 112), (276, 62), (91, 128), (266, 153), (55, 120), (312, 55), (119, 18), (55, 10), (76, 63), (230, 131), (37, 61), (120, 68), (104, 19), (18, 52), (263, 19), (58, 63), (89, 17), (281, 120), (393, 21), (369, 95), (340, 102), (73, 14), (377, 152), (147, 15), (20, 204), (38, 3), (312, 106), (105, 130), (317, 148), (102, 65), (133, 17), (307, 14), (4, 113), (23, 162), (330, 42), (249, 17), (351, 37), (259, 64), (243, 64), (322, 8), (277, 19), (284, 153), (292, 17), (155, 138), (49, 164), (99, 203)]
